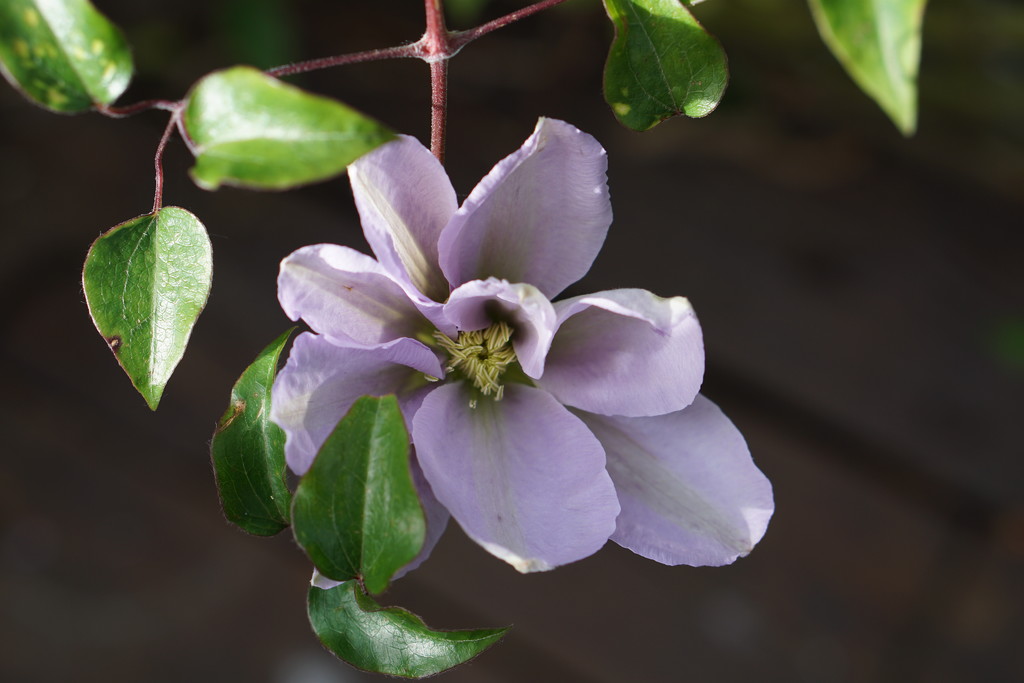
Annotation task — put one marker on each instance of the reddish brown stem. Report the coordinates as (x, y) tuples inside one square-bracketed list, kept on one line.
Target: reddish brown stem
[(158, 160), (460, 39), (436, 49), (137, 108), (410, 50), (438, 107)]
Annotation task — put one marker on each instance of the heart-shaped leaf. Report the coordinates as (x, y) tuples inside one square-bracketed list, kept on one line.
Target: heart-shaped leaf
[(146, 282), (662, 63), (356, 512), (63, 54), (390, 641), (249, 129), (248, 451), (879, 45)]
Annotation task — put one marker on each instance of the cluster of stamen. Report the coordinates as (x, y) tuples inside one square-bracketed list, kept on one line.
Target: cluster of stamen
[(482, 356)]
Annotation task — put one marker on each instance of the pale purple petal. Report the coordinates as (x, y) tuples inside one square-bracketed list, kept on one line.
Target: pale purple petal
[(321, 381), (523, 477), (404, 200), (479, 303), (625, 352), (348, 296), (689, 490), (540, 216)]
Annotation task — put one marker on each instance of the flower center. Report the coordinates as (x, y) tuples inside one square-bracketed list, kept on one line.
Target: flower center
[(482, 356)]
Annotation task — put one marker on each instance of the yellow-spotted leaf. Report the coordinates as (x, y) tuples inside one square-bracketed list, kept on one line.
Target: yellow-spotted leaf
[(63, 54)]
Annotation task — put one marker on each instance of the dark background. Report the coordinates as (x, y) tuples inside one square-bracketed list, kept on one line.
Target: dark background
[(862, 298)]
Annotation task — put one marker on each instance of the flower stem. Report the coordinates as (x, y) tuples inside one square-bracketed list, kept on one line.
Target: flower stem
[(436, 47), (438, 107)]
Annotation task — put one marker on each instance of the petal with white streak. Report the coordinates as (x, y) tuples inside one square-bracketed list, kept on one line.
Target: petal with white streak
[(689, 490), (404, 200), (348, 296)]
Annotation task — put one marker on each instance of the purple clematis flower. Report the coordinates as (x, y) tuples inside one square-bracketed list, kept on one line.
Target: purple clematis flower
[(544, 428)]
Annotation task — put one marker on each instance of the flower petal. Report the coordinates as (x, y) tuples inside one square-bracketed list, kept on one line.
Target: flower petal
[(522, 476), (348, 296), (625, 352), (540, 216), (437, 520), (321, 381), (478, 303), (404, 200), (690, 492)]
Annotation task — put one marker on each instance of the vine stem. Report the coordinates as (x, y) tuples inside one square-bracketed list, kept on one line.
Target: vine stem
[(436, 45), (410, 50), (461, 38), (158, 159), (138, 107)]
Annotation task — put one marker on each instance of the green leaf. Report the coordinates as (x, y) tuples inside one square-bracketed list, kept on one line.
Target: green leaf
[(356, 511), (249, 129), (146, 281), (465, 11), (390, 641), (662, 63), (878, 42), (63, 53), (248, 451)]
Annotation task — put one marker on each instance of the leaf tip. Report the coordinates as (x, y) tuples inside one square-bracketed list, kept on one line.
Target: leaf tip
[(152, 394)]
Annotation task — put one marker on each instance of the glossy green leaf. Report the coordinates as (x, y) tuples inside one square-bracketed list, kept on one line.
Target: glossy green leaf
[(356, 511), (249, 129), (878, 42), (392, 640), (63, 53), (146, 281), (248, 451), (662, 63)]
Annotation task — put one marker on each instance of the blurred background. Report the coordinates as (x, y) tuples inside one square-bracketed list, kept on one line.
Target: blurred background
[(862, 298)]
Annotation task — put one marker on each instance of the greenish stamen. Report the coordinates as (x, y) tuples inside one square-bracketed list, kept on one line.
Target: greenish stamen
[(482, 356)]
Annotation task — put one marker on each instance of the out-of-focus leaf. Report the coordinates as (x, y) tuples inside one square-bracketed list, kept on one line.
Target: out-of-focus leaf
[(356, 511), (662, 63), (146, 282), (878, 42), (465, 12), (259, 32), (63, 54), (249, 129), (390, 641), (248, 451)]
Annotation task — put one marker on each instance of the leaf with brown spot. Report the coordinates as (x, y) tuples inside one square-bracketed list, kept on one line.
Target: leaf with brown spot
[(248, 451), (146, 282)]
